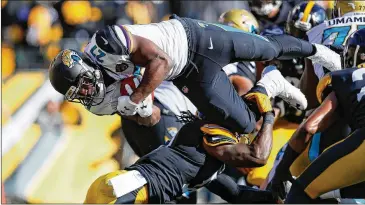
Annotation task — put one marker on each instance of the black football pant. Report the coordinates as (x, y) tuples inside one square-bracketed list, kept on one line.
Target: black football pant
[(206, 84)]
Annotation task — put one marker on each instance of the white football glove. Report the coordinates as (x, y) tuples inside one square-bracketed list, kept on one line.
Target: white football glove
[(126, 106), (145, 107), (326, 58)]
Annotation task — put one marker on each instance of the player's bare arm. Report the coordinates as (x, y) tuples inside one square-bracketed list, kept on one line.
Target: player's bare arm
[(244, 155), (157, 65), (309, 89), (318, 121)]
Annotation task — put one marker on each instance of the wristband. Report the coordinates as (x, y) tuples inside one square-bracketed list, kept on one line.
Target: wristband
[(269, 118)]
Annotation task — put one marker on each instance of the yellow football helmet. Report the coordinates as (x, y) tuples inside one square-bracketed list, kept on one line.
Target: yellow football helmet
[(343, 7), (240, 19)]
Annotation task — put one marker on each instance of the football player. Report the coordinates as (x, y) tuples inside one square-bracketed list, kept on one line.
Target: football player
[(192, 159), (341, 94), (349, 10), (192, 53), (241, 74), (347, 17)]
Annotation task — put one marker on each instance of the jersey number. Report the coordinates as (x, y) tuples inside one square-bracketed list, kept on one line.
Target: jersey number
[(357, 75), (341, 33), (97, 53)]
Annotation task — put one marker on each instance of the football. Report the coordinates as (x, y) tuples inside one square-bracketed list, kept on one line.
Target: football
[(129, 85)]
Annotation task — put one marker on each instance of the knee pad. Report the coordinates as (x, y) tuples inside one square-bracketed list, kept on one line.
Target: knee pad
[(100, 192)]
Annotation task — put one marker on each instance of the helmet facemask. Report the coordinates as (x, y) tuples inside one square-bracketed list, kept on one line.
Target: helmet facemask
[(354, 56), (90, 89)]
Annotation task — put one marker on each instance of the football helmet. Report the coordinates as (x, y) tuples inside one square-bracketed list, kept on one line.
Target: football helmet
[(76, 79), (354, 52), (264, 7), (303, 17), (241, 19), (342, 7)]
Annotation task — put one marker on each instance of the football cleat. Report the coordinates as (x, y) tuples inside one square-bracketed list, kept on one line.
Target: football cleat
[(326, 58)]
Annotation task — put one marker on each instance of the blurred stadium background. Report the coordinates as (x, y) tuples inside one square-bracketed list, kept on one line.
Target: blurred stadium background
[(53, 150)]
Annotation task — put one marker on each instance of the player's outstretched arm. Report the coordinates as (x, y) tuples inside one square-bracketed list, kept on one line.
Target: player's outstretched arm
[(318, 121), (157, 65), (243, 155)]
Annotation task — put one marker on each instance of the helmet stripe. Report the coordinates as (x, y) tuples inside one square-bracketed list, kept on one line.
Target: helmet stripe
[(128, 38), (307, 11)]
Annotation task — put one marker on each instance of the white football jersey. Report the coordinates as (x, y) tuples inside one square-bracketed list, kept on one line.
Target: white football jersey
[(110, 47), (167, 93), (169, 36), (335, 32), (110, 102), (172, 99)]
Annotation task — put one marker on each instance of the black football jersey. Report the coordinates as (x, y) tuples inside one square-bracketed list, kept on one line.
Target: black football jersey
[(181, 167), (349, 87)]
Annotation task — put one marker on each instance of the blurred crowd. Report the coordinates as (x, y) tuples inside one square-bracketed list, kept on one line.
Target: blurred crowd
[(33, 32)]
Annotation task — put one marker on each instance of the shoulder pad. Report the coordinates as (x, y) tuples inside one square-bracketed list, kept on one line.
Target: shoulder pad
[(109, 39), (216, 135), (323, 83)]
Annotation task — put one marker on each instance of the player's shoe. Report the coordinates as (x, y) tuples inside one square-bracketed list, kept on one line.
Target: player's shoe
[(276, 85), (326, 57)]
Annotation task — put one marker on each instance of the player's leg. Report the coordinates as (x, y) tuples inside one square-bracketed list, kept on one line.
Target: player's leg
[(168, 126), (248, 46), (225, 187), (343, 161), (144, 139), (356, 191), (215, 97)]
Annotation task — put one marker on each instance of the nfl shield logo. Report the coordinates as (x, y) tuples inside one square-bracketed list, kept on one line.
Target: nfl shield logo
[(185, 89)]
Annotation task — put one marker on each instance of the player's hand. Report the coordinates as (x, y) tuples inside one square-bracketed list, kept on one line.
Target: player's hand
[(126, 106)]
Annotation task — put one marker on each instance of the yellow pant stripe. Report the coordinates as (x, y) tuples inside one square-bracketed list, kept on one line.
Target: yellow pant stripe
[(142, 196), (344, 172), (301, 163)]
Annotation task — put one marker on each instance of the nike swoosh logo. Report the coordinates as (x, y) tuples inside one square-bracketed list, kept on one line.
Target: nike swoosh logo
[(211, 44), (215, 138), (105, 41)]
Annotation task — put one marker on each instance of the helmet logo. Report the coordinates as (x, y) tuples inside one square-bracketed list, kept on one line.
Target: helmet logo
[(121, 67), (69, 58)]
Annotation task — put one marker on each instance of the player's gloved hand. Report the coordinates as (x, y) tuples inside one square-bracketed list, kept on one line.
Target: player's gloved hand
[(145, 107), (326, 57), (126, 106)]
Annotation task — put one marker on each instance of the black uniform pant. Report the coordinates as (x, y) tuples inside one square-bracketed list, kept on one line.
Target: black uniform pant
[(206, 84), (341, 165)]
